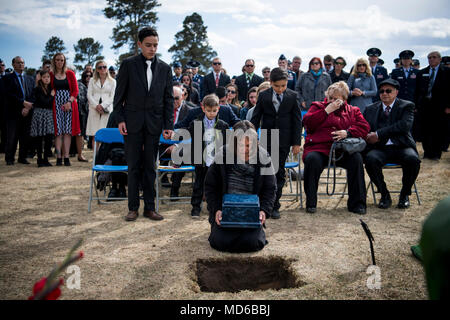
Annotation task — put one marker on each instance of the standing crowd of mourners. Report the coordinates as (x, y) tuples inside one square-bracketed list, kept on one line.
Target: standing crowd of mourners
[(389, 112)]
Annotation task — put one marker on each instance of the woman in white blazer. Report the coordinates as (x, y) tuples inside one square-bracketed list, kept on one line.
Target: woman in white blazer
[(100, 96)]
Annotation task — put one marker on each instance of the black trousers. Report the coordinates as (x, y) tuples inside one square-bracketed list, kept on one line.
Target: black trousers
[(17, 131), (176, 179), (283, 153), (315, 162), (141, 150), (434, 130), (199, 183), (407, 157)]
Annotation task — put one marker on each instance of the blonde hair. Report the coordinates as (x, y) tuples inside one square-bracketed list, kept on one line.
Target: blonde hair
[(361, 61), (263, 86), (97, 75), (340, 88), (211, 100), (53, 65)]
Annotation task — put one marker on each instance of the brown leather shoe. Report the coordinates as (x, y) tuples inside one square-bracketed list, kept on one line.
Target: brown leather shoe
[(152, 215), (131, 216)]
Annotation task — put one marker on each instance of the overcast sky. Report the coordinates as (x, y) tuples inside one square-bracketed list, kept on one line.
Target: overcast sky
[(237, 30)]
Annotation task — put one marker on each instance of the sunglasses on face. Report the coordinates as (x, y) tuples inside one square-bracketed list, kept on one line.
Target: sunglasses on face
[(177, 98), (101, 67), (249, 65), (217, 63), (388, 91), (328, 64), (361, 65), (233, 92), (267, 71), (316, 63), (341, 63)]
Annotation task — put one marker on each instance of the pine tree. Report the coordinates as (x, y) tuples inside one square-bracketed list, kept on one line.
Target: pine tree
[(87, 50), (192, 43), (53, 45), (131, 16)]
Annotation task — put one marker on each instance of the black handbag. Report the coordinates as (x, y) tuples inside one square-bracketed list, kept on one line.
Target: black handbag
[(347, 145)]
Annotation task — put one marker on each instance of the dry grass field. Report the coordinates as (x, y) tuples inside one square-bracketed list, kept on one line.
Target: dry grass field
[(43, 212)]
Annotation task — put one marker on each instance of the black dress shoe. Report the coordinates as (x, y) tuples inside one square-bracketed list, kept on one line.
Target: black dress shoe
[(67, 162), (59, 161), (275, 214), (385, 201), (9, 163), (403, 202), (113, 193), (360, 210), (311, 209), (23, 161), (122, 193)]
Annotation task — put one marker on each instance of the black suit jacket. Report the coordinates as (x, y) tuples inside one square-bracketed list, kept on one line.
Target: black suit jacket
[(225, 114), (183, 111), (14, 97), (241, 83), (439, 93), (287, 119), (139, 108), (209, 83), (400, 122)]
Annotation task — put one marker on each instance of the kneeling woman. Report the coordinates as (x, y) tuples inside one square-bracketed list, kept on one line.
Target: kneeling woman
[(326, 122), (250, 172)]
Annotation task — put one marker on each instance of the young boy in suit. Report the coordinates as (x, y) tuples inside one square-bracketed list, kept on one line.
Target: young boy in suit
[(278, 108), (210, 125)]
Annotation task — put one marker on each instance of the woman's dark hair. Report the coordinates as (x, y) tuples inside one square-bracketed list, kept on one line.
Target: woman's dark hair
[(188, 90), (340, 58), (311, 62), (147, 32), (278, 74), (41, 84), (84, 76), (253, 89)]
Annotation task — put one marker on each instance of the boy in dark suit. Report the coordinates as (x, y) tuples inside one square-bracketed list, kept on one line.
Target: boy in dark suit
[(278, 108), (210, 124), (144, 100)]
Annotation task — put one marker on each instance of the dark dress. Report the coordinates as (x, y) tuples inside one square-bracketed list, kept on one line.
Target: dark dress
[(42, 120)]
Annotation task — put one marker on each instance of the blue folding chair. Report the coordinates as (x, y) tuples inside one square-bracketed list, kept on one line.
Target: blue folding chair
[(162, 170), (392, 166), (105, 135)]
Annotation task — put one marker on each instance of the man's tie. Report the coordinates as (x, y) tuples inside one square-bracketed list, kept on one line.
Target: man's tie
[(217, 79), (248, 81), (22, 84), (278, 98), (149, 74), (431, 83), (387, 111)]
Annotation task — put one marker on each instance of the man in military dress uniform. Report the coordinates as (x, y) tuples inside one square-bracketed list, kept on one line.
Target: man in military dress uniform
[(292, 78), (379, 72), (406, 75), (177, 72)]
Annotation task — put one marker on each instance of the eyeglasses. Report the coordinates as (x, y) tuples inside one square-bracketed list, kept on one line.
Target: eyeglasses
[(177, 98), (249, 65), (388, 91), (328, 64), (217, 63), (316, 62), (341, 63), (102, 67), (361, 65), (267, 71), (233, 92)]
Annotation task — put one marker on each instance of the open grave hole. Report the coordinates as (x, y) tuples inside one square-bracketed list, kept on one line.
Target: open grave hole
[(251, 273)]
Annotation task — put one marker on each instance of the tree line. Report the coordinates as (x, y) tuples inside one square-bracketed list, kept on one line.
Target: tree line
[(191, 43)]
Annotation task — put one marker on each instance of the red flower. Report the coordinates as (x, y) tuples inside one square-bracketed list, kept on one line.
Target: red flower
[(39, 286)]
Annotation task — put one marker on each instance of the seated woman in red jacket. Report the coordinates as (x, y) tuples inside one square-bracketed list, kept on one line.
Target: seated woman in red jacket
[(328, 121)]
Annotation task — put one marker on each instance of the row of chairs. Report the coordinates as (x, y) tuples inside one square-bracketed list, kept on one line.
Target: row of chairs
[(112, 135)]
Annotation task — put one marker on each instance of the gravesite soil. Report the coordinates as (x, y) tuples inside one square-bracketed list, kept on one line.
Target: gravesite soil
[(43, 213)]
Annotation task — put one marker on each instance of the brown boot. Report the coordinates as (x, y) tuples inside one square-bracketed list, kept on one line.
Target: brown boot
[(131, 216), (152, 215)]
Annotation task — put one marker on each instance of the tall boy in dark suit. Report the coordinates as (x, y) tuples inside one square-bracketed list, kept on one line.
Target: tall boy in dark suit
[(144, 99), (278, 108)]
